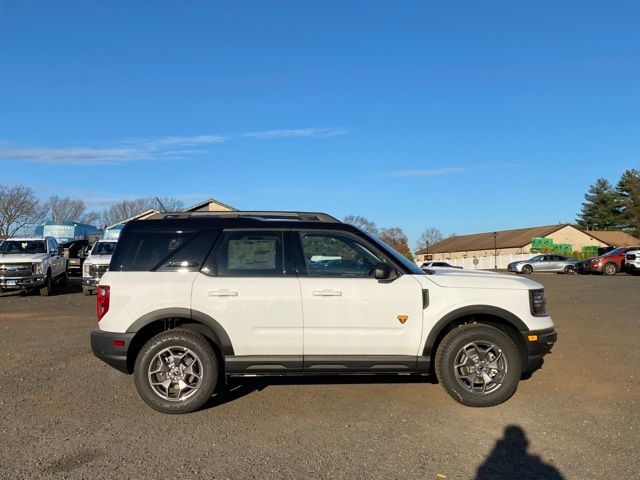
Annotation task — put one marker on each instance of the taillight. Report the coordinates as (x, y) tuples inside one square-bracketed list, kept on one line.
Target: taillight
[(102, 300)]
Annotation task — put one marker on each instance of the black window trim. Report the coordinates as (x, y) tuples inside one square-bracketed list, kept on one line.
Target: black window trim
[(301, 265)]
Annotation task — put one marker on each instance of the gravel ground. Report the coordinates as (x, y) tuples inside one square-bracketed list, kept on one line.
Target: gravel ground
[(65, 414)]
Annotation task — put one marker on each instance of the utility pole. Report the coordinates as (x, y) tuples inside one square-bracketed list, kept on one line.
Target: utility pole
[(495, 249)]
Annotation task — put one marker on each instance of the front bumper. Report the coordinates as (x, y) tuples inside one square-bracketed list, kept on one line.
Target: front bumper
[(21, 282), (90, 281), (539, 344), (104, 347), (631, 268)]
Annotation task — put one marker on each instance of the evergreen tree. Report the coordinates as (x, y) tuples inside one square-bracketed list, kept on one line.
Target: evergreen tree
[(602, 210), (628, 190)]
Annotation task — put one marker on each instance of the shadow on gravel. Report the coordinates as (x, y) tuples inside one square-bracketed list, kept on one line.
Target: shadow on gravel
[(240, 387), (509, 460)]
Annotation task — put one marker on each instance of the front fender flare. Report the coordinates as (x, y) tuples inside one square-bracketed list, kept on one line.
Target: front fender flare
[(469, 310)]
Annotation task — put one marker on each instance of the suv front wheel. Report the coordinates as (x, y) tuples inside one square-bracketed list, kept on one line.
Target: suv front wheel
[(478, 365), (176, 371)]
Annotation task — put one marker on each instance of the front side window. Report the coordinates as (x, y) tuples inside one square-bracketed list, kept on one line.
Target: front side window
[(251, 254), (335, 255)]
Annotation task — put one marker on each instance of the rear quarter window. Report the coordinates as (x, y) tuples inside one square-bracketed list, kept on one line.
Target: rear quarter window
[(163, 251)]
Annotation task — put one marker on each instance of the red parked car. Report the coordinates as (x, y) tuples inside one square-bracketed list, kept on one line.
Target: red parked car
[(608, 263)]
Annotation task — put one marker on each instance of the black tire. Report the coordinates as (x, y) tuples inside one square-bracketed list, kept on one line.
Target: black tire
[(569, 269), (609, 269), (47, 289), (527, 269), (64, 279), (177, 339), (460, 389)]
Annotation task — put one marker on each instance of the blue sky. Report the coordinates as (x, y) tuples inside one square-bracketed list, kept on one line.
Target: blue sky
[(466, 116)]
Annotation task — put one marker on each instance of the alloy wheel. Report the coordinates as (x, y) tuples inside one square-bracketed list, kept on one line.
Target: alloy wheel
[(480, 367), (175, 373)]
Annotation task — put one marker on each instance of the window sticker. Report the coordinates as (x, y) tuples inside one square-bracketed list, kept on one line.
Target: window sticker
[(252, 254)]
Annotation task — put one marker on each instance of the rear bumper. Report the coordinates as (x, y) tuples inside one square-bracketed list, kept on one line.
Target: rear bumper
[(103, 346), (539, 344)]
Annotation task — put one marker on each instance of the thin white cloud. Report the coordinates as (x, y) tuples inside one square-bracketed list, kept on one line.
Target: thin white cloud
[(164, 148), (299, 132), (424, 172)]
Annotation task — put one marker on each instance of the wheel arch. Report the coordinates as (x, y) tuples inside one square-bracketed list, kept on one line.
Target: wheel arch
[(159, 321), (496, 317)]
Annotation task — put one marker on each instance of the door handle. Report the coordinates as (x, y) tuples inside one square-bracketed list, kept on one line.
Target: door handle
[(327, 293), (223, 293)]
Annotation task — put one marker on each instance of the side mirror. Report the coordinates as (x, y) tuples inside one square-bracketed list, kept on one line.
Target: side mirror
[(382, 271), (54, 253)]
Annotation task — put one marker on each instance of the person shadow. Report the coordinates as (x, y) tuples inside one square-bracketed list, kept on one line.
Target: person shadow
[(509, 460)]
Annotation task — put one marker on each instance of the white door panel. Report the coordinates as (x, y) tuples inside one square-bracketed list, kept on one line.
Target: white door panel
[(261, 315), (359, 316)]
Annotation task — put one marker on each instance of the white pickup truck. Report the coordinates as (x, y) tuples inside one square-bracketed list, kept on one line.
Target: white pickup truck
[(96, 264), (31, 263)]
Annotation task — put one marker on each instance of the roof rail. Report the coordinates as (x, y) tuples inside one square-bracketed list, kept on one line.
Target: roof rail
[(260, 215)]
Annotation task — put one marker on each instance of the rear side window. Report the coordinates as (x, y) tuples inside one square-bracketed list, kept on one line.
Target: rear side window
[(147, 250), (251, 254)]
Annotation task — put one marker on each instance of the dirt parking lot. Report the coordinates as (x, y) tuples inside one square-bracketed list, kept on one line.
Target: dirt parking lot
[(65, 414)]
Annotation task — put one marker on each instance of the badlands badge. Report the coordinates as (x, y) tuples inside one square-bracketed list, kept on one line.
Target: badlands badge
[(403, 318)]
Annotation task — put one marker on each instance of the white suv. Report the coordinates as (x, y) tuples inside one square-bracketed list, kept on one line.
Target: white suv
[(191, 298), (96, 264), (632, 262), (31, 263)]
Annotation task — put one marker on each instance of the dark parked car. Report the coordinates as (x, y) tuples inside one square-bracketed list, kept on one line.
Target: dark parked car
[(609, 263)]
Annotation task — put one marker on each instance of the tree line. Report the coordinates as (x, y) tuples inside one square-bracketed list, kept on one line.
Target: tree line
[(613, 208), (21, 210), (395, 236)]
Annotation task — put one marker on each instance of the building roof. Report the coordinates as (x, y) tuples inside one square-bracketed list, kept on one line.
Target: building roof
[(204, 203), (484, 241), (141, 215), (614, 238)]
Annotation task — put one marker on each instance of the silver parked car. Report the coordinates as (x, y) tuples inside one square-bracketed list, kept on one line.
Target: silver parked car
[(544, 263)]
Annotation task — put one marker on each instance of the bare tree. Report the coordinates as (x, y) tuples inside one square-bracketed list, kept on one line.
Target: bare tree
[(65, 209), (19, 209), (129, 208), (362, 223), (430, 236), (397, 239)]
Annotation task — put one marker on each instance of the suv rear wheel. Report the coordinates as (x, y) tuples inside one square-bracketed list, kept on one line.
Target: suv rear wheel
[(176, 371), (478, 365)]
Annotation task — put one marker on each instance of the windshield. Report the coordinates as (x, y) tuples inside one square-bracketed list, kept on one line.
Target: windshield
[(15, 247), (615, 251), (398, 257), (537, 258), (103, 248)]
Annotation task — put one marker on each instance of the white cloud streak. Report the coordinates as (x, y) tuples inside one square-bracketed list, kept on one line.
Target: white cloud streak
[(164, 148)]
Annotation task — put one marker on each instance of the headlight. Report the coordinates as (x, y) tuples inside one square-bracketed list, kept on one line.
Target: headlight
[(37, 267), (85, 269), (538, 302)]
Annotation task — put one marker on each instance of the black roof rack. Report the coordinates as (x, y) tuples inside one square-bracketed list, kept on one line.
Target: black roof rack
[(259, 215)]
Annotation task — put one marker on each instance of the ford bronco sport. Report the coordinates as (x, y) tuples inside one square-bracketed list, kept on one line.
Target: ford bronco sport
[(192, 298)]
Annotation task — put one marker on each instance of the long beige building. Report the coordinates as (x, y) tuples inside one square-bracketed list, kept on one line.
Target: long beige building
[(519, 241)]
